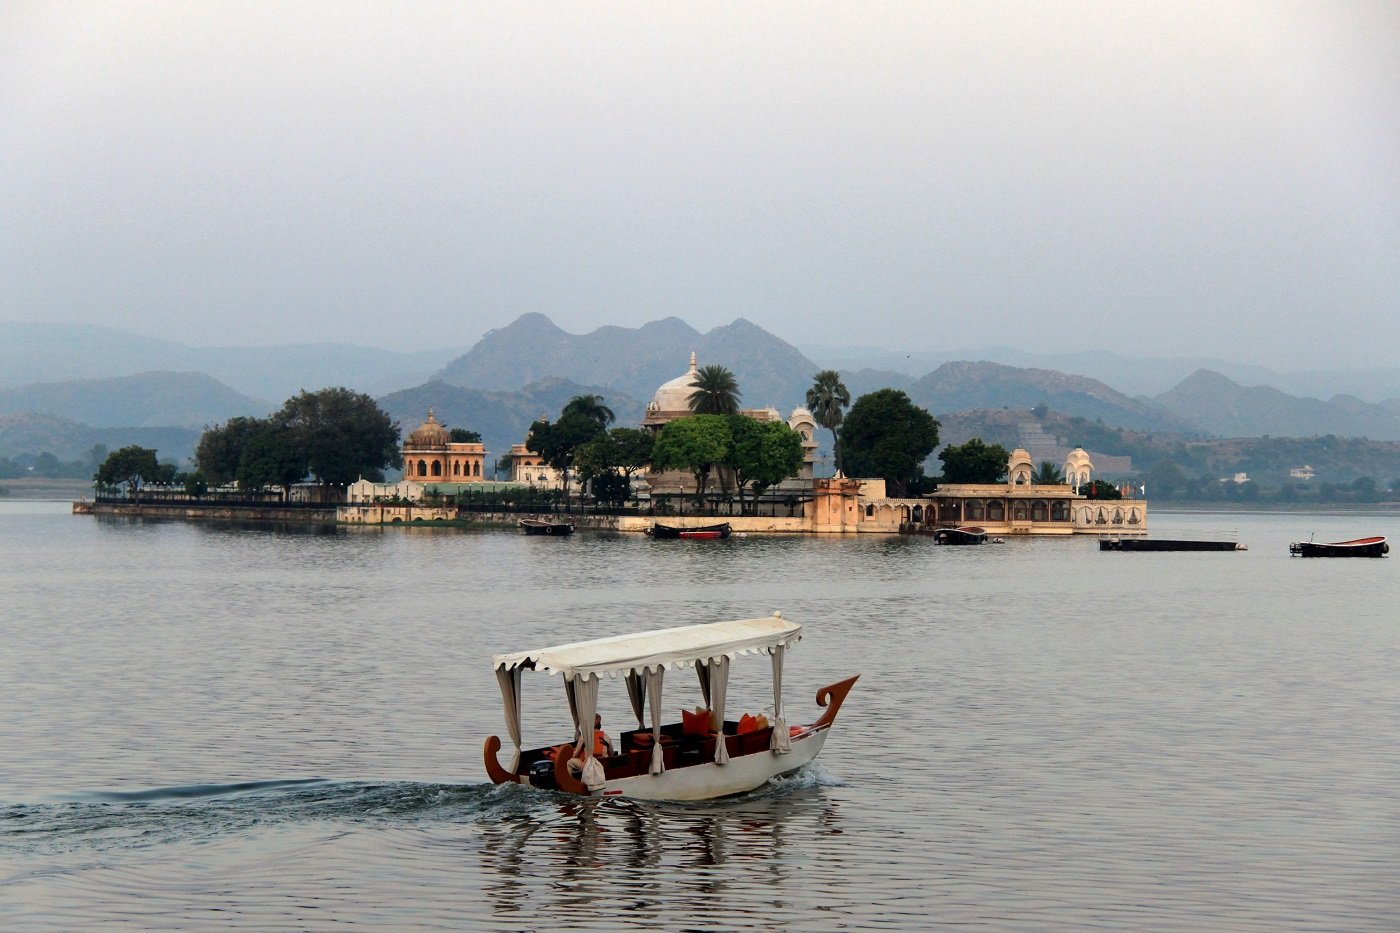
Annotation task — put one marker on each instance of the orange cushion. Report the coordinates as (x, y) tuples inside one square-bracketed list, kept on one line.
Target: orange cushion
[(697, 723), (747, 724)]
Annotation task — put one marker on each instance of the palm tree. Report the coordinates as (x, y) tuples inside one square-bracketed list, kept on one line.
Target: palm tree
[(1047, 474), (716, 392), (591, 407), (827, 400)]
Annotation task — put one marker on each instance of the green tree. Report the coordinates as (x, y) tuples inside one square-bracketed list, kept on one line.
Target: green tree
[(558, 442), (1101, 489), (696, 444), (221, 447), (762, 453), (342, 434), (591, 407), (886, 435), (463, 436), (827, 400), (621, 452), (130, 465), (272, 458), (716, 392), (1047, 474), (196, 485), (974, 462)]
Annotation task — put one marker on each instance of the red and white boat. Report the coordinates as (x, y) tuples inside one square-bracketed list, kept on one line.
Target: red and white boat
[(703, 756)]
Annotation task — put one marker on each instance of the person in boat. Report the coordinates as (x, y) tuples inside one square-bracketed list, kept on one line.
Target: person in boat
[(602, 745)]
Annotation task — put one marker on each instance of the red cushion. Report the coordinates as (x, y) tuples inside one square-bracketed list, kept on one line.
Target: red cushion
[(695, 723), (747, 724)]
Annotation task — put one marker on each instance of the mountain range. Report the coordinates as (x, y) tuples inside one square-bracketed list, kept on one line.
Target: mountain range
[(74, 386)]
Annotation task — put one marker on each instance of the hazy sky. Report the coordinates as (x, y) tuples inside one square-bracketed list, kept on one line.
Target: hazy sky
[(1161, 179)]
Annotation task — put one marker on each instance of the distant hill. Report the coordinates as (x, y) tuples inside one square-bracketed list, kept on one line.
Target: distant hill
[(502, 418), (968, 385), (634, 361), (1223, 407), (32, 352), (31, 433), (154, 399)]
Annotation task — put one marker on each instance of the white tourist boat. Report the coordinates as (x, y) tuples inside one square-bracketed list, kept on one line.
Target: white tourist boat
[(684, 760)]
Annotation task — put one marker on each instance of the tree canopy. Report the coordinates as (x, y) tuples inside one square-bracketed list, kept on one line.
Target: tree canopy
[(827, 400), (886, 435), (557, 442), (463, 436), (221, 448), (716, 392), (132, 466), (271, 458), (974, 462), (696, 444), (591, 407), (343, 435), (1047, 474), (762, 453)]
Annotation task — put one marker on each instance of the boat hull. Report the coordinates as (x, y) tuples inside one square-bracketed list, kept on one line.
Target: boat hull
[(1361, 547), (696, 533), (1165, 544), (550, 529), (960, 536), (707, 781)]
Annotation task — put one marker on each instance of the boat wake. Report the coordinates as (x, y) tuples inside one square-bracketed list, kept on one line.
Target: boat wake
[(110, 820)]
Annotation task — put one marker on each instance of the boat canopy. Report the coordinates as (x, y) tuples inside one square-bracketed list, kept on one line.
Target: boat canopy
[(657, 650)]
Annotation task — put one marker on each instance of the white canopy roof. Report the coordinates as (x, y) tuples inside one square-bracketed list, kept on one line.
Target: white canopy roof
[(662, 648)]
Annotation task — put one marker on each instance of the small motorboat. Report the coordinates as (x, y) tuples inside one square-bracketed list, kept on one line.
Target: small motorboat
[(1357, 547), (967, 534), (540, 526), (706, 754), (691, 533)]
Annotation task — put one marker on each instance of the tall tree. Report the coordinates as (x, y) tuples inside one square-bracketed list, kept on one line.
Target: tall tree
[(344, 435), (716, 392), (974, 462), (463, 436), (591, 407), (696, 444), (221, 448), (272, 458), (1047, 474), (762, 453), (887, 435), (557, 442), (130, 465), (827, 400)]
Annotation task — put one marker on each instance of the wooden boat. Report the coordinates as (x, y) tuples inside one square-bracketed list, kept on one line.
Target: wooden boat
[(697, 533), (967, 534), (705, 755), (1167, 544), (1357, 547), (540, 526)]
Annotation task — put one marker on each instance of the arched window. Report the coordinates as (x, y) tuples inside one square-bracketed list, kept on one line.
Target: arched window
[(1039, 511), (1117, 516), (869, 511), (974, 510), (437, 467), (456, 468), (918, 514), (1019, 511), (476, 468), (996, 511), (1059, 511), (1133, 518), (422, 468)]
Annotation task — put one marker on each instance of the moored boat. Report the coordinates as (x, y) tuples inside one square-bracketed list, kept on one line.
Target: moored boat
[(540, 526), (705, 755), (1167, 544), (695, 533), (1374, 546), (966, 534)]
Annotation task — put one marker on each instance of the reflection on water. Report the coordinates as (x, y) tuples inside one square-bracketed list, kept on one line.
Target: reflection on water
[(280, 729)]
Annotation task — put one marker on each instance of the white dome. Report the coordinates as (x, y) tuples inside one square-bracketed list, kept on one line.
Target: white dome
[(675, 395)]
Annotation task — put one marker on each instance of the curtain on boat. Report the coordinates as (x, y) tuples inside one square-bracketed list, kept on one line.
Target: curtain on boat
[(573, 707), (586, 694), (509, 682), (719, 685), (780, 741), (702, 670), (653, 682), (636, 692)]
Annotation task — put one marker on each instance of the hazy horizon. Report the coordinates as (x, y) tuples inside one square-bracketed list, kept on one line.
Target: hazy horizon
[(1187, 180)]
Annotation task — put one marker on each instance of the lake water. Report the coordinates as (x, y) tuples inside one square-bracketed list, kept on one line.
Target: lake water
[(206, 726)]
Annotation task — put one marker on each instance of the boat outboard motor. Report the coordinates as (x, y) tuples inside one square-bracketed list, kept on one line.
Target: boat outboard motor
[(542, 774)]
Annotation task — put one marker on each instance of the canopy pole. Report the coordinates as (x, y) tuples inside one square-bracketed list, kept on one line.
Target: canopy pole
[(719, 686), (780, 741), (653, 682)]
